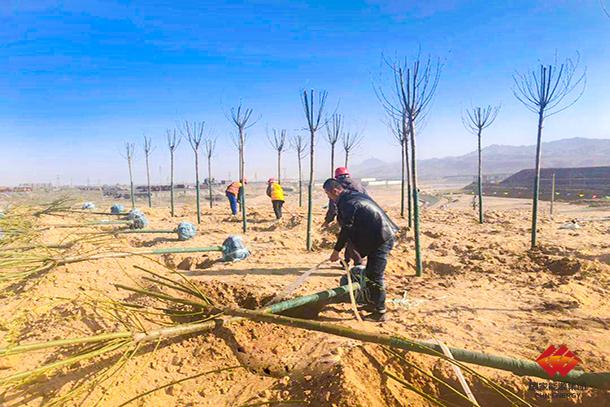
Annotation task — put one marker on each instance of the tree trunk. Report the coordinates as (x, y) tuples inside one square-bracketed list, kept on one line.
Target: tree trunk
[(133, 198), (310, 189), (244, 221), (300, 185), (197, 187), (537, 180), (148, 183), (346, 158), (210, 180), (402, 180), (418, 260), (279, 166), (409, 198), (171, 183), (332, 160), (480, 181)]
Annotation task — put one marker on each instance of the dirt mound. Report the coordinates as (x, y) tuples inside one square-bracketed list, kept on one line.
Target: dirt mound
[(233, 294)]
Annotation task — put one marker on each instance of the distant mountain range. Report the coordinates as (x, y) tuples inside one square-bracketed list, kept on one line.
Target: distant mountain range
[(500, 160)]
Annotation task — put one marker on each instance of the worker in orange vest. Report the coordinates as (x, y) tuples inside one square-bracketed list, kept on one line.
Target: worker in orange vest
[(276, 193), (233, 192)]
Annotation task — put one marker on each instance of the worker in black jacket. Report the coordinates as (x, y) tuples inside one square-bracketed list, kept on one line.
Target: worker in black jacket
[(371, 232), (342, 175)]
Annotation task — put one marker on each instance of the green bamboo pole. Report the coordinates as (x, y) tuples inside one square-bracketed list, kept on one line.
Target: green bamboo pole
[(517, 366), (480, 181), (197, 187), (244, 219), (419, 268), (138, 231), (97, 223), (537, 180), (552, 193), (85, 212)]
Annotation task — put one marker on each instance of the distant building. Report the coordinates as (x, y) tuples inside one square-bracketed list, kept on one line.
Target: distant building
[(570, 184)]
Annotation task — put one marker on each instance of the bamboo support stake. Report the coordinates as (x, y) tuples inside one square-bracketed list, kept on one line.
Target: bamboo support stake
[(517, 366), (552, 193)]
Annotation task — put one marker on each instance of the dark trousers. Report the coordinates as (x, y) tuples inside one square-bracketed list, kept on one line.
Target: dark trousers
[(375, 270), (232, 202), (277, 208)]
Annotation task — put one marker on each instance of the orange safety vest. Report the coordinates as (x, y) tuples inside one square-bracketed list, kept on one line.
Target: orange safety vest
[(233, 188)]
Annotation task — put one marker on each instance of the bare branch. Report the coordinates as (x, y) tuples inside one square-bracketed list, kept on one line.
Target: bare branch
[(148, 147), (193, 132), (173, 141), (210, 146), (278, 141), (351, 140), (299, 145), (552, 88), (334, 128), (478, 118), (314, 108)]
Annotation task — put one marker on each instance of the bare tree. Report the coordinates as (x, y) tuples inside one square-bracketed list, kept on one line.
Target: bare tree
[(129, 154), (398, 127), (299, 145), (241, 116), (413, 88), (210, 146), (314, 109), (148, 149), (333, 132), (475, 120), (350, 141), (172, 143), (604, 8), (546, 92), (278, 143), (194, 134)]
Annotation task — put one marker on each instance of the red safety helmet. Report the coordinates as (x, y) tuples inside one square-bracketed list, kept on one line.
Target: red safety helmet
[(341, 171), (271, 180)]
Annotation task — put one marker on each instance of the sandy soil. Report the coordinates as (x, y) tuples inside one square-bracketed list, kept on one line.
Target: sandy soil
[(482, 290)]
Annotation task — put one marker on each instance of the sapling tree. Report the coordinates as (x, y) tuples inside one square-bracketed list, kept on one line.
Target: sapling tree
[(546, 91), (313, 106), (194, 134), (334, 129), (241, 118), (210, 146), (278, 143), (350, 141), (475, 120), (173, 141), (413, 87), (299, 145), (148, 149), (129, 154)]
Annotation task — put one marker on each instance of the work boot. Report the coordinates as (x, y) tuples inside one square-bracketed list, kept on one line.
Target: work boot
[(375, 317), (367, 308)]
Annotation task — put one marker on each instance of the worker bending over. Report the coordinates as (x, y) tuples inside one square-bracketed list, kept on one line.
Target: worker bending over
[(276, 193), (371, 232), (342, 176), (234, 192)]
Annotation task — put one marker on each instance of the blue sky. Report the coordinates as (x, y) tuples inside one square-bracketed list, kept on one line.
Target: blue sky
[(79, 78)]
